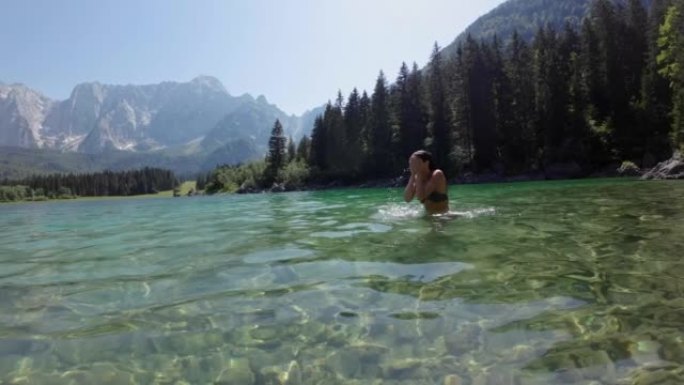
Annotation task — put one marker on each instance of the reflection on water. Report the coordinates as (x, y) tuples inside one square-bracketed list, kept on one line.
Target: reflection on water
[(536, 283)]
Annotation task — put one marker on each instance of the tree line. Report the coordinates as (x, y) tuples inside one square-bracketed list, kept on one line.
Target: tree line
[(286, 164), (107, 183), (591, 97)]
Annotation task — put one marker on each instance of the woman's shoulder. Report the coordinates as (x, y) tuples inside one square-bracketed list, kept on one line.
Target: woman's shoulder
[(438, 174)]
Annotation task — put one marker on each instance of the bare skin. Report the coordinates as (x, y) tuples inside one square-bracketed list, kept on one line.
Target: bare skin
[(424, 182)]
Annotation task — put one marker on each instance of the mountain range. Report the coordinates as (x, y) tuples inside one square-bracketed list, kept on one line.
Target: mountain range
[(198, 120)]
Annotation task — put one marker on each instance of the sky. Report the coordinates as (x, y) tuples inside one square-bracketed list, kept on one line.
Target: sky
[(297, 53)]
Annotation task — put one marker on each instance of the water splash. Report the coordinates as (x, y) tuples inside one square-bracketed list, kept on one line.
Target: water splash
[(393, 212), (468, 214)]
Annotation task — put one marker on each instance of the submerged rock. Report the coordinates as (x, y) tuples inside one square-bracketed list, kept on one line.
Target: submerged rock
[(17, 347), (645, 351), (8, 364), (356, 360), (281, 375), (657, 377), (406, 368), (344, 363), (670, 169), (452, 379), (293, 375), (368, 351), (519, 353), (466, 339), (596, 364), (236, 372), (264, 333), (99, 373), (501, 377), (573, 365)]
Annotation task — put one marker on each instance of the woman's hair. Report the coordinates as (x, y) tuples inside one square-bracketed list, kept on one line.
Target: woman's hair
[(426, 157)]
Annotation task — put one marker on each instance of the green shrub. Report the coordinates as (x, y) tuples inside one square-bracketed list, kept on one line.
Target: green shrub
[(231, 178), (295, 174), (14, 193)]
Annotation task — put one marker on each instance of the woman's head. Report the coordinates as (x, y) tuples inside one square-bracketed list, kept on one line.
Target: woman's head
[(421, 159)]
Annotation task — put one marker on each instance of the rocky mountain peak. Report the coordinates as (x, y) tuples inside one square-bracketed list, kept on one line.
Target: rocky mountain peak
[(209, 82), (196, 118)]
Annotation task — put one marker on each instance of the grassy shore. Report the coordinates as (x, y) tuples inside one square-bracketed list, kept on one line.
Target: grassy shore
[(184, 189)]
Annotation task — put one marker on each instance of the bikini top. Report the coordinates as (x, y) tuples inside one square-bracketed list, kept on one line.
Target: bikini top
[(436, 197)]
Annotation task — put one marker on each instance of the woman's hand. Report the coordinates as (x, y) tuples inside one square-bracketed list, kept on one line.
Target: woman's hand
[(414, 165), (410, 190)]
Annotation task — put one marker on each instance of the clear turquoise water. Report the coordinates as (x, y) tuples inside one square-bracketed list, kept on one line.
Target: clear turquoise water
[(533, 283)]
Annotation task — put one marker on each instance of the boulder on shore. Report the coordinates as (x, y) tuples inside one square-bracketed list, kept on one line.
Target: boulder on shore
[(247, 189), (629, 169), (278, 188), (669, 169)]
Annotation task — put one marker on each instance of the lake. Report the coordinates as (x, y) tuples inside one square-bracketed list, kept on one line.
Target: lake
[(577, 282)]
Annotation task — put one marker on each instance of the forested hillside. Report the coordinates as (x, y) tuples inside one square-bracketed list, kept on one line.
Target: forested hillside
[(577, 99), (526, 16)]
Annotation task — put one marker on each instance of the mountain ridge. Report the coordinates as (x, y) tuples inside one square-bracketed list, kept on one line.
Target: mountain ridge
[(164, 119), (525, 17)]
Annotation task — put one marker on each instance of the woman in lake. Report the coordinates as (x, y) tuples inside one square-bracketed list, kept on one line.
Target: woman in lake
[(427, 183)]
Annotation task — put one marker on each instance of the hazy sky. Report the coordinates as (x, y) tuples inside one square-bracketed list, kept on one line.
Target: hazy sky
[(297, 53)]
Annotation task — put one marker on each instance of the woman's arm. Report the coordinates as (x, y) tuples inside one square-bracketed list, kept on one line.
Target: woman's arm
[(410, 190), (426, 187)]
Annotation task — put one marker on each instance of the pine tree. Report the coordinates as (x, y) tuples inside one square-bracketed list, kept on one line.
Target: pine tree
[(577, 140), (336, 139), (520, 141), (303, 149), (637, 47), (671, 61), (291, 150), (610, 31), (440, 128), (460, 91), (631, 135), (482, 104), (505, 128), (594, 72), (365, 112), (656, 95), (318, 152), (380, 131), (409, 112), (417, 117), (552, 96), (398, 97), (353, 135), (276, 154)]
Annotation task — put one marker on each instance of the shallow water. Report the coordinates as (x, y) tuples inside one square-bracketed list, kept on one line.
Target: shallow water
[(533, 283)]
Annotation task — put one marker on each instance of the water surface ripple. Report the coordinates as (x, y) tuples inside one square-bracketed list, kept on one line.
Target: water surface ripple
[(533, 283)]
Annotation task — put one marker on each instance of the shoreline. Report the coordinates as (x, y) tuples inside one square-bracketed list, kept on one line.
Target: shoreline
[(184, 189), (660, 172), (318, 187), (278, 189), (672, 169), (86, 199)]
